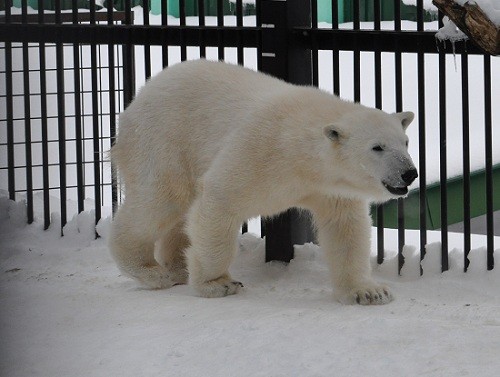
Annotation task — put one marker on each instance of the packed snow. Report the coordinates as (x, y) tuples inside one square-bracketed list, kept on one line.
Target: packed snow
[(450, 32), (66, 311), (427, 4)]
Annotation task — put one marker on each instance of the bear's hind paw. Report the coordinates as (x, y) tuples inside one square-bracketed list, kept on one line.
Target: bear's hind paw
[(153, 277)]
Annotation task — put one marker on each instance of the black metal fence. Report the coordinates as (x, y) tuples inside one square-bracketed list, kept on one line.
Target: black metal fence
[(68, 73)]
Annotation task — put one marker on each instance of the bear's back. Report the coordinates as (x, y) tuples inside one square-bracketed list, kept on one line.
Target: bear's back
[(196, 103)]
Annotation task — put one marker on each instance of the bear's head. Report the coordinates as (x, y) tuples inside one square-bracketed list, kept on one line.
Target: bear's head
[(372, 148)]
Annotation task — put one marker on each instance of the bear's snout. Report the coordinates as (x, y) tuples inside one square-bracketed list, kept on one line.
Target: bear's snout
[(409, 176)]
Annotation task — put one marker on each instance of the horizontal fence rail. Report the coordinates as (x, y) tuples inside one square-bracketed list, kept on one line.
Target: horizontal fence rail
[(376, 40), (154, 35), (81, 67)]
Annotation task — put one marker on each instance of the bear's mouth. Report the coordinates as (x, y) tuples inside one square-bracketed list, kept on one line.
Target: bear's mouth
[(396, 190)]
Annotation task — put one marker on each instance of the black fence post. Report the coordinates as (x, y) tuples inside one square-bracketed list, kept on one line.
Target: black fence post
[(281, 55), (128, 61)]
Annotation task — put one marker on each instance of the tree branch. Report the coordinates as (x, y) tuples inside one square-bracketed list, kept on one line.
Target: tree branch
[(474, 23)]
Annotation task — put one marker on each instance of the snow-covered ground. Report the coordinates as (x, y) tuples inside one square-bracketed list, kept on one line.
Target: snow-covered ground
[(66, 311)]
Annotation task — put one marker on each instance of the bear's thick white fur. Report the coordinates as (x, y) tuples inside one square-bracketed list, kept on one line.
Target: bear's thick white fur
[(207, 145)]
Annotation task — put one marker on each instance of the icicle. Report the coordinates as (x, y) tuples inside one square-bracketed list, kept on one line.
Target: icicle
[(454, 54), (450, 32)]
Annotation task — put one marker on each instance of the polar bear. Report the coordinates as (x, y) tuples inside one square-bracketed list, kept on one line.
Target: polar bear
[(208, 145)]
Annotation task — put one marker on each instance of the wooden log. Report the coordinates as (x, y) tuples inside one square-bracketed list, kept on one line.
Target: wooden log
[(474, 23)]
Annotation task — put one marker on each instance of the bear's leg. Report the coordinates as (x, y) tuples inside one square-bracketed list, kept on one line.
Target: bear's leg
[(213, 235), (171, 248), (344, 229), (132, 247)]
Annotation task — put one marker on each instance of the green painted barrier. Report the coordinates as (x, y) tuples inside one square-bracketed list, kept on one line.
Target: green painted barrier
[(345, 8), (366, 11), (454, 187), (325, 11), (172, 7), (191, 7)]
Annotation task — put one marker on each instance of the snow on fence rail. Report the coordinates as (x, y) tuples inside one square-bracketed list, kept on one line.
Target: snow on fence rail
[(68, 74)]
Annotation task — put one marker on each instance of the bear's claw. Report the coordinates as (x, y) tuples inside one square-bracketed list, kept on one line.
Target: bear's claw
[(374, 298), (370, 295)]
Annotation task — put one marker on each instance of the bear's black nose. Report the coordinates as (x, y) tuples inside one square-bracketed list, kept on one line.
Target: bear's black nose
[(409, 176)]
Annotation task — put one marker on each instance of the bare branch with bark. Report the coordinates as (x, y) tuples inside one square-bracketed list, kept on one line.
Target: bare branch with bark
[(471, 19)]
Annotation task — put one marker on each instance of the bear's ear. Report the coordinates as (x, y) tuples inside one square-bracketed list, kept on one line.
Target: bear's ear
[(332, 132), (406, 117)]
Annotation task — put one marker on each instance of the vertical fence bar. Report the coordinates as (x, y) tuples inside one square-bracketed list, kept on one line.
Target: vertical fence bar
[(61, 120), (83, 53), (147, 45), (102, 125), (422, 155), (128, 59), (258, 23), (376, 15), (377, 59), (466, 156), (95, 119), (355, 14), (378, 105), (356, 55), (164, 22), (421, 136), (80, 181), (443, 157), (336, 52), (239, 24), (398, 81), (9, 109), (488, 163), (182, 19), (314, 46), (27, 119), (201, 22), (112, 91), (220, 33), (44, 124)]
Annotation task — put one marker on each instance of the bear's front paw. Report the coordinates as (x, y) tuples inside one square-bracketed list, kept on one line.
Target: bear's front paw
[(369, 294), (220, 287)]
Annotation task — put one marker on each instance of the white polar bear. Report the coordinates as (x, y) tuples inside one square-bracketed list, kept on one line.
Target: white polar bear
[(207, 145)]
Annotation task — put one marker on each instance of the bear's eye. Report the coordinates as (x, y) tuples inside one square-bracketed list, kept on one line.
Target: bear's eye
[(406, 143), (378, 148)]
